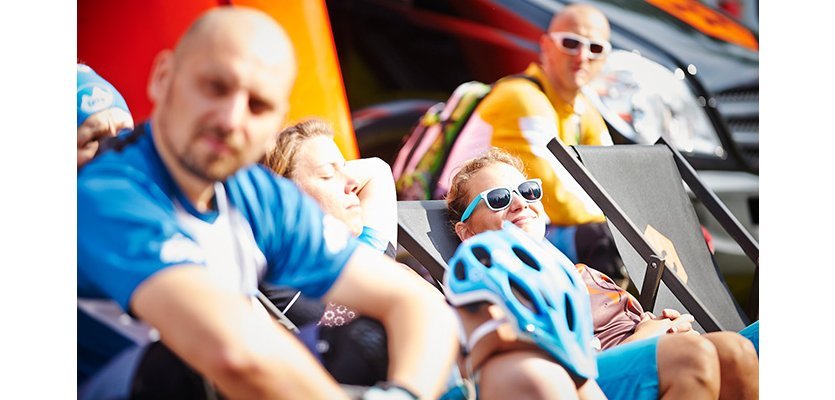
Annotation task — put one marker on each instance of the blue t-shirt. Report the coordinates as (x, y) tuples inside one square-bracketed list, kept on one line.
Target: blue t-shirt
[(134, 221)]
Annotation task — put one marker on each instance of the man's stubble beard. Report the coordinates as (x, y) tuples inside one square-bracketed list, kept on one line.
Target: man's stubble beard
[(212, 168)]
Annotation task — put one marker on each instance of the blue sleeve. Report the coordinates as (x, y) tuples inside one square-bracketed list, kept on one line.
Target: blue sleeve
[(305, 248), (375, 239), (127, 231)]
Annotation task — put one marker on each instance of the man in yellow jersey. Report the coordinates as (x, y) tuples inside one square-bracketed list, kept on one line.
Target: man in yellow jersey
[(521, 116)]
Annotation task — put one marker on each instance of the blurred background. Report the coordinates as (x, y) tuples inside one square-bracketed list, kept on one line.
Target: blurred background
[(684, 69)]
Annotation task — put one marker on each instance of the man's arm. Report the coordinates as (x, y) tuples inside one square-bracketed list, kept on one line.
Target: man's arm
[(420, 325), (227, 340)]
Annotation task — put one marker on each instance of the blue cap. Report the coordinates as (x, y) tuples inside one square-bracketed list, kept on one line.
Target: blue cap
[(95, 94)]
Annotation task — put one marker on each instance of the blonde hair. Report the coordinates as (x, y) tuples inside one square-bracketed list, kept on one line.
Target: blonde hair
[(457, 199), (282, 158)]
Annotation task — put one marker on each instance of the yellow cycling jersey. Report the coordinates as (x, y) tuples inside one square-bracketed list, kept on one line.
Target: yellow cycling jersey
[(520, 118)]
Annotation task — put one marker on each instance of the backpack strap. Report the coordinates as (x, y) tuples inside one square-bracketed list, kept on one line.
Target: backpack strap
[(526, 77)]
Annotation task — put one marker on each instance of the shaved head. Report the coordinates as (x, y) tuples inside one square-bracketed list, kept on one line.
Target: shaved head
[(222, 94), (264, 37), (577, 16)]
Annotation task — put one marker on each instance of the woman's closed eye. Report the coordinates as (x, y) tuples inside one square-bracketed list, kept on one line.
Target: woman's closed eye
[(326, 172)]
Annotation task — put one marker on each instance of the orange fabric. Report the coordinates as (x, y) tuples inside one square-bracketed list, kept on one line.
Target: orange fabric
[(319, 90), (708, 21)]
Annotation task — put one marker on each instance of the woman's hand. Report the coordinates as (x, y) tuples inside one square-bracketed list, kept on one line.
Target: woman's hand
[(377, 194), (670, 321)]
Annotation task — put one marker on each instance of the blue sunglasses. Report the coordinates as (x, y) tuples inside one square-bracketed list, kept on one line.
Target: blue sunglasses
[(499, 198)]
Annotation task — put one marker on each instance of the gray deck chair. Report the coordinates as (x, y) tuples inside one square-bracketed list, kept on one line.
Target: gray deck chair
[(425, 232), (644, 200)]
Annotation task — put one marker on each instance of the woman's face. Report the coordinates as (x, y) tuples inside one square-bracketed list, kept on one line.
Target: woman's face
[(527, 216), (320, 172)]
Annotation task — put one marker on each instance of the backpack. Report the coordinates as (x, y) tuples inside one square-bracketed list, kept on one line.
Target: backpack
[(424, 152)]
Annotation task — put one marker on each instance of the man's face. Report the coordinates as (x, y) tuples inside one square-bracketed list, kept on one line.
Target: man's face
[(571, 69), (220, 107)]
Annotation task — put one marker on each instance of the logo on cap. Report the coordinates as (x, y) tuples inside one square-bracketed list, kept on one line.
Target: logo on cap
[(99, 99)]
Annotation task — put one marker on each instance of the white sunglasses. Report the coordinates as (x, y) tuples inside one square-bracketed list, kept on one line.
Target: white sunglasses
[(570, 43), (499, 198)]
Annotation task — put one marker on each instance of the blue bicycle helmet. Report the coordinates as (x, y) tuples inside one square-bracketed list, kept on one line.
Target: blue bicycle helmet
[(538, 288)]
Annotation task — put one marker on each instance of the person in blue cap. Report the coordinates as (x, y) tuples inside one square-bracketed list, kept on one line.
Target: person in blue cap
[(102, 112)]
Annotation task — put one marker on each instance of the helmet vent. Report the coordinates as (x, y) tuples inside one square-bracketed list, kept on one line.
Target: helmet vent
[(547, 300), (482, 255), (526, 258), (459, 271), (569, 313), (523, 297)]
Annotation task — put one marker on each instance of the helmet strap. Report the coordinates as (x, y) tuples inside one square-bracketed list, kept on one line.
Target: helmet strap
[(479, 333), (483, 330)]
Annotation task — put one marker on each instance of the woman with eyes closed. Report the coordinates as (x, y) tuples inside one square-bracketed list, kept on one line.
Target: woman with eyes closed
[(644, 356), (361, 194)]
